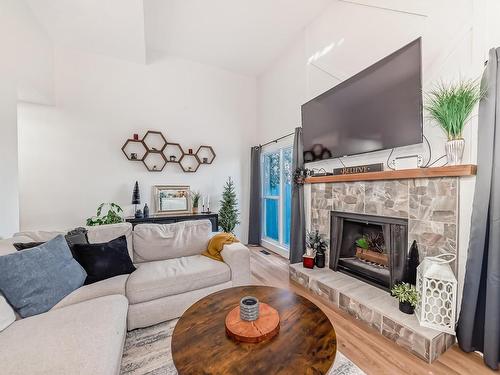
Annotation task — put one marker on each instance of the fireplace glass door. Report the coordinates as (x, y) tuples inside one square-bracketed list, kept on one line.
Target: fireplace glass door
[(371, 248)]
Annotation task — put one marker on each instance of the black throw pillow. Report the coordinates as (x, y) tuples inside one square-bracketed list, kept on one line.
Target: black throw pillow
[(26, 245), (104, 260)]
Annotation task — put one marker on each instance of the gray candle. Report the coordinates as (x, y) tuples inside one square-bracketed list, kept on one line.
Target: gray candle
[(249, 308)]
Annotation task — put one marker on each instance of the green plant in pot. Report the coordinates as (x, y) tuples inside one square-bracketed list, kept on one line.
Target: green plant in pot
[(407, 295), (451, 106), (195, 199), (112, 215), (315, 241)]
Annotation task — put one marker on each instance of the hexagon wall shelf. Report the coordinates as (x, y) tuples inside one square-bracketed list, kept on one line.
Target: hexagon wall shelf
[(205, 154), (154, 141), (155, 152), (173, 152), (189, 163), (134, 150), (155, 161)]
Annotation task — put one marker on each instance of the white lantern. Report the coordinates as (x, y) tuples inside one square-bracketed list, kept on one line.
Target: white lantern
[(437, 287)]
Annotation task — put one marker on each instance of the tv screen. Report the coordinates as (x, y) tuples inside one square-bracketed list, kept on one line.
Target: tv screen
[(378, 108)]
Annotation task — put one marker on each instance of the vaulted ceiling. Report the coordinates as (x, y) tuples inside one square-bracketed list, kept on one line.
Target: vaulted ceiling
[(244, 36)]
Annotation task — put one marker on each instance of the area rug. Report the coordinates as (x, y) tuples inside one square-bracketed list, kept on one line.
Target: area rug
[(147, 351)]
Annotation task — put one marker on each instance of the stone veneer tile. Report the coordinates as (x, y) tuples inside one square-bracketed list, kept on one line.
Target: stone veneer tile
[(433, 238), (299, 277), (387, 198), (438, 346), (360, 312), (406, 338), (348, 197), (322, 290), (434, 199)]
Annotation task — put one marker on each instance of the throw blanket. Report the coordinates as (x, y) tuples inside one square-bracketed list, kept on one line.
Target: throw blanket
[(216, 244)]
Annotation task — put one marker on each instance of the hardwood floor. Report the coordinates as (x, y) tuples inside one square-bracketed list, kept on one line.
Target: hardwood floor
[(369, 350)]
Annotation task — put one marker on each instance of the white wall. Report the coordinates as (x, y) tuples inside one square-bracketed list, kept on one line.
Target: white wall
[(25, 74), (351, 35), (70, 157)]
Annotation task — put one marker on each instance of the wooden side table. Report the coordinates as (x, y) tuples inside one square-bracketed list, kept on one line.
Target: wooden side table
[(306, 343)]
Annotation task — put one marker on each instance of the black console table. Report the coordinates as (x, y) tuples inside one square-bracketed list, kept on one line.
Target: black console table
[(169, 219)]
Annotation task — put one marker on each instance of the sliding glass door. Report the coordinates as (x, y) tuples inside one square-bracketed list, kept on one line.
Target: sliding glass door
[(277, 198)]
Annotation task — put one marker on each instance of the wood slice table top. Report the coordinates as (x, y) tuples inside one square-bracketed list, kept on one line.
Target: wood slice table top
[(306, 342), (264, 328)]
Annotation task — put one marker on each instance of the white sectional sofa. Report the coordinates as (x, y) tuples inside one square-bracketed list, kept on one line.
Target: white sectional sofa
[(84, 333)]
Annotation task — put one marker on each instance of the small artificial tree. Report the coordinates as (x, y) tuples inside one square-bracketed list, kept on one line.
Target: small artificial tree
[(228, 213)]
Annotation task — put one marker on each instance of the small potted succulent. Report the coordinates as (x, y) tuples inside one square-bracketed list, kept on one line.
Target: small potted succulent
[(451, 105), (195, 198), (315, 241), (407, 295)]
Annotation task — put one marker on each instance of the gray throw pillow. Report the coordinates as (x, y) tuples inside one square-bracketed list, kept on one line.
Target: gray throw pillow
[(36, 279)]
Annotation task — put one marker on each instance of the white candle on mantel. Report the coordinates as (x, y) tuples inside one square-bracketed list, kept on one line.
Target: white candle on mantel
[(203, 201), (208, 201)]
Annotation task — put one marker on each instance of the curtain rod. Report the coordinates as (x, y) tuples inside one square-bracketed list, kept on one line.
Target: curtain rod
[(277, 139)]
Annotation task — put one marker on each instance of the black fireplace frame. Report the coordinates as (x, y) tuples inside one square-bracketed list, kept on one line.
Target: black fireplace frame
[(396, 229)]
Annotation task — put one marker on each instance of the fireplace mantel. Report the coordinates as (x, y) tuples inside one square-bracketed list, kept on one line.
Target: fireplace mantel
[(448, 171)]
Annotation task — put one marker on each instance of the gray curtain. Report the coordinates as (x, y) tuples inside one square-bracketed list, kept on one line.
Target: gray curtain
[(298, 222), (255, 220), (479, 322)]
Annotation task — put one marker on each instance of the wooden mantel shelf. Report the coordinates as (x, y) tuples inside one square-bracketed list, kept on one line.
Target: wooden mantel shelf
[(448, 171)]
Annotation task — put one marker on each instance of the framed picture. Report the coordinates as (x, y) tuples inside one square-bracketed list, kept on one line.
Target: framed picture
[(172, 199)]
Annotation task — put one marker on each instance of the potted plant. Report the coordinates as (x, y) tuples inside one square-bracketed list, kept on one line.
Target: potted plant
[(195, 198), (111, 217), (371, 247), (315, 241), (407, 295), (451, 105)]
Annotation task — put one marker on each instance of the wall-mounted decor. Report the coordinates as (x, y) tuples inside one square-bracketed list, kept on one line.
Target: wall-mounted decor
[(155, 152), (171, 199)]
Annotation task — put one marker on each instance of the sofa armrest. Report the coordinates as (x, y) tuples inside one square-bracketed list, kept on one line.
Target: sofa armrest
[(237, 257)]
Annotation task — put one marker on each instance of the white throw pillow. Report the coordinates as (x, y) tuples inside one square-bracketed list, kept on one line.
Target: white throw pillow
[(7, 315)]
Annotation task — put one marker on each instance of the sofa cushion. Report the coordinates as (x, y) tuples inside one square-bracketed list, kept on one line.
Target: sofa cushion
[(40, 235), (34, 280), (7, 245), (167, 241), (7, 315), (85, 339), (174, 276), (104, 260), (108, 287), (96, 234), (106, 233)]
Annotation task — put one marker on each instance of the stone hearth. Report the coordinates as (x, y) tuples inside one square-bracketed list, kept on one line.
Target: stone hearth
[(374, 307), (429, 204)]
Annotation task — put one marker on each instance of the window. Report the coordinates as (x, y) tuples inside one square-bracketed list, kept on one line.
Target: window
[(277, 198)]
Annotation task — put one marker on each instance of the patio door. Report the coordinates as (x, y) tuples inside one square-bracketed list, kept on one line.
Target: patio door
[(277, 198)]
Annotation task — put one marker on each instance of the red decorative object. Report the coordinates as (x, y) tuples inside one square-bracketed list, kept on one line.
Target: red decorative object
[(136, 137), (308, 261)]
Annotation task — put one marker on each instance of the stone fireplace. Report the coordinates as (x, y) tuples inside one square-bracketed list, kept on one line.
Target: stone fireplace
[(422, 209), (429, 206), (382, 262)]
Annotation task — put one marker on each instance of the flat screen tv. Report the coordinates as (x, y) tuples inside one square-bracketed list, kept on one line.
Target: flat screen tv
[(378, 108)]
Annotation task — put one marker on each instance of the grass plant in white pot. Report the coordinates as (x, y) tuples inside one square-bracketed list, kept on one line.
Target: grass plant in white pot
[(451, 106)]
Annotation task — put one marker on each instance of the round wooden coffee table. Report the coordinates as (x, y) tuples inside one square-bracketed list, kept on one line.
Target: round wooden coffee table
[(305, 344)]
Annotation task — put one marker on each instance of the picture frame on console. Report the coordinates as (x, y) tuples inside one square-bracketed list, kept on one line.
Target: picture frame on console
[(172, 199)]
